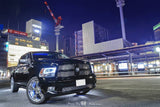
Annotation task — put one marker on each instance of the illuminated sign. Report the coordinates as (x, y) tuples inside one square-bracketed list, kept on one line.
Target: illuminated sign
[(26, 41), (150, 65), (140, 66), (123, 66), (44, 47), (156, 26), (36, 38), (37, 31), (36, 26), (17, 32)]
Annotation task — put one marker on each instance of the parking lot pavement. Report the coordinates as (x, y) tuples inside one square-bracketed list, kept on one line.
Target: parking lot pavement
[(117, 92), (4, 83)]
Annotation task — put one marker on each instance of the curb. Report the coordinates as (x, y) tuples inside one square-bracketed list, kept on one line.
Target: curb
[(126, 76)]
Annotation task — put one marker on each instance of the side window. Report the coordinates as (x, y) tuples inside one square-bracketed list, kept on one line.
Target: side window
[(23, 59), (28, 58)]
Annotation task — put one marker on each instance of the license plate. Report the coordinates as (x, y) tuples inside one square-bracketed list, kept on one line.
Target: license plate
[(80, 82)]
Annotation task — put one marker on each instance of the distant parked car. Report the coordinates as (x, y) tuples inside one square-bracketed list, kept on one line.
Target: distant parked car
[(47, 74)]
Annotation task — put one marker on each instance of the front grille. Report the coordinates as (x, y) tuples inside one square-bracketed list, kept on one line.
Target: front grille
[(66, 73), (66, 67), (68, 70)]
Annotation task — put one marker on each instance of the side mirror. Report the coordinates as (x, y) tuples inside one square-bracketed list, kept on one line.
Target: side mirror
[(23, 61)]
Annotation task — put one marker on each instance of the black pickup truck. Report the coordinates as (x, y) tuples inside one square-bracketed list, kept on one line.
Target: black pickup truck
[(48, 74)]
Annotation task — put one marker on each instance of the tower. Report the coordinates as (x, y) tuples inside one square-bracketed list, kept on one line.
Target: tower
[(120, 4), (156, 30), (34, 29)]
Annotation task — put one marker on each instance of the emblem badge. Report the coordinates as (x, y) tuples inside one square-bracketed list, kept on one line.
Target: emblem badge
[(77, 69)]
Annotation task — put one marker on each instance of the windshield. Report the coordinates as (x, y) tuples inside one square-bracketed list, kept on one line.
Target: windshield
[(49, 56)]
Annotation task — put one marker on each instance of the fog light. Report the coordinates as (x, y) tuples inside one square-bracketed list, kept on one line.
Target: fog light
[(51, 89)]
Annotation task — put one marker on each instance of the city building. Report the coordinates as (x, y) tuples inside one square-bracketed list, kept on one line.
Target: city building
[(135, 60), (116, 57), (16, 43), (19, 45), (67, 45), (156, 30), (94, 38), (34, 29), (3, 53), (78, 43)]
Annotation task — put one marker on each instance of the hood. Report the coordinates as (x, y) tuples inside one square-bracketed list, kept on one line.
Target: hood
[(48, 63), (68, 61)]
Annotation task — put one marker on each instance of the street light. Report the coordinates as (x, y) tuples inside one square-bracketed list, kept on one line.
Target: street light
[(120, 4), (57, 33), (62, 51), (158, 49)]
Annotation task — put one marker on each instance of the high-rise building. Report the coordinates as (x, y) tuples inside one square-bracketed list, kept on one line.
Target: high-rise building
[(156, 30), (34, 29), (13, 44), (18, 43), (100, 35), (67, 45), (78, 43), (94, 38), (3, 52)]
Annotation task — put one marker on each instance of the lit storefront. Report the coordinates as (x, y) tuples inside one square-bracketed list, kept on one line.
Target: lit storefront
[(15, 52), (19, 45)]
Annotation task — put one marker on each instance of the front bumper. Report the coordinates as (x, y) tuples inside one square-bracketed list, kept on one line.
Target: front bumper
[(60, 86)]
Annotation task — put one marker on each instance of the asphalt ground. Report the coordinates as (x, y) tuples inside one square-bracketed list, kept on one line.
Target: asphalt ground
[(4, 83), (109, 92)]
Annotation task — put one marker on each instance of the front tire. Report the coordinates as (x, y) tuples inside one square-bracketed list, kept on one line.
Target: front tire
[(13, 85), (34, 92)]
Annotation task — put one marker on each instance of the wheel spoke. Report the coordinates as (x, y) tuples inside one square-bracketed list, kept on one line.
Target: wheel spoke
[(30, 88), (37, 84)]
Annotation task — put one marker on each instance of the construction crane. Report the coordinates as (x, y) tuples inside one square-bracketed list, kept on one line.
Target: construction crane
[(58, 25)]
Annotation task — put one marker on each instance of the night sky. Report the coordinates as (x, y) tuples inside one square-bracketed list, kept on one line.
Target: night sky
[(140, 16)]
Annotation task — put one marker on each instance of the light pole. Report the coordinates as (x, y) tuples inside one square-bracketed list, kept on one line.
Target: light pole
[(120, 4), (57, 33)]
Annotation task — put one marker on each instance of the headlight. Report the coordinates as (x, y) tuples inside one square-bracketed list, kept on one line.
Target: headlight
[(92, 68), (48, 72), (84, 66)]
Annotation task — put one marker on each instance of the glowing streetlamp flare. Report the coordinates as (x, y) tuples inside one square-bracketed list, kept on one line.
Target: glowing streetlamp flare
[(158, 49)]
